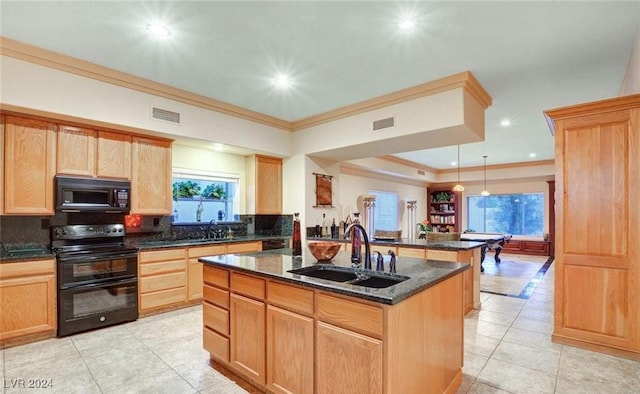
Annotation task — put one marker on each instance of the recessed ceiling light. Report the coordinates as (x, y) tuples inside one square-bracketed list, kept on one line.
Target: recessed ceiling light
[(505, 123), (158, 30), (406, 24), (282, 81), (218, 147), (453, 163), (532, 155)]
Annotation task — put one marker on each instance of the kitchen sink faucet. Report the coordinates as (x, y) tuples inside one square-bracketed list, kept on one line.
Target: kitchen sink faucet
[(367, 248)]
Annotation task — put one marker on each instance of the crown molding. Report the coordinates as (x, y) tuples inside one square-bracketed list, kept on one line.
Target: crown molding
[(36, 55), (43, 57), (464, 80)]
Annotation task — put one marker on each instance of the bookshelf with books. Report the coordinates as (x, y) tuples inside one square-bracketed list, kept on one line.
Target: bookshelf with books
[(444, 210)]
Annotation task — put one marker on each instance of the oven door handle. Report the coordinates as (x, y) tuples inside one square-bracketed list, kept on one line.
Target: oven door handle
[(102, 283), (98, 256)]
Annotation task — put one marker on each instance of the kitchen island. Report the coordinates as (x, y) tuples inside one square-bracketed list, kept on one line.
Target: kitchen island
[(454, 251), (289, 332)]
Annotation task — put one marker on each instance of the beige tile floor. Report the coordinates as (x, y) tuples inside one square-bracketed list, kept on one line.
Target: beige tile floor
[(507, 350)]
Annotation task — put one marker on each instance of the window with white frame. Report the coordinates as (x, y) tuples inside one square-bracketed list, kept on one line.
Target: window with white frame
[(201, 196), (385, 212)]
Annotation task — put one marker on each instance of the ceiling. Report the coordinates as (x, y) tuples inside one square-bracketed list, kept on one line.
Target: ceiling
[(529, 56)]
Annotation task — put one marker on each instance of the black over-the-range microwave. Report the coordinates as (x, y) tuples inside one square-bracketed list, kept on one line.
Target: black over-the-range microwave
[(79, 194)]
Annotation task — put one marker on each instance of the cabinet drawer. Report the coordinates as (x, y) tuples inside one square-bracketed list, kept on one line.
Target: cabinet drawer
[(163, 267), (290, 297), (162, 255), (207, 251), (164, 297), (216, 344), (215, 318), (244, 247), (27, 268), (247, 285), (446, 255), (216, 276), (341, 312), (412, 252), (216, 296), (162, 282)]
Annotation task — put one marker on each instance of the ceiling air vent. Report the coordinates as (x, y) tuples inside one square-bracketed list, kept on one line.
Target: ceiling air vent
[(163, 114), (420, 172), (384, 123)]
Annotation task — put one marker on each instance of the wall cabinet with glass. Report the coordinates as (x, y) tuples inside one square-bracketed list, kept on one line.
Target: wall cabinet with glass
[(444, 211)]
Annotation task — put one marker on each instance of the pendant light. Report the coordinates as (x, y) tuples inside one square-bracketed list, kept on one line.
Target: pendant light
[(484, 191), (458, 187)]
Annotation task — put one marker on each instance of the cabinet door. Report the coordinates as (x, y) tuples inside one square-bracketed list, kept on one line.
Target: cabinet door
[(248, 337), (268, 185), (347, 362), (194, 280), (289, 352), (30, 165), (151, 177), (597, 288), (114, 155), (76, 153), (27, 298)]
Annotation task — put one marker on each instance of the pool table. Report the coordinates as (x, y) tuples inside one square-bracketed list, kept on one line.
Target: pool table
[(494, 241)]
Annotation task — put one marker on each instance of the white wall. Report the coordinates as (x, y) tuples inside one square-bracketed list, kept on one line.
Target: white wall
[(353, 186), (631, 81), (29, 85)]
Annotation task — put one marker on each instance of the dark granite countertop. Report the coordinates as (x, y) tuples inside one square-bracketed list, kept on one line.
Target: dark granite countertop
[(415, 243), (29, 252), (275, 264), (159, 244), (24, 253)]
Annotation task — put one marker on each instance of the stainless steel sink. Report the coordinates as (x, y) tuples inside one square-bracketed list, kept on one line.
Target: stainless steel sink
[(352, 276)]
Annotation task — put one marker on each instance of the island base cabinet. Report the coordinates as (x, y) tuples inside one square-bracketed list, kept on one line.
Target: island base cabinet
[(347, 362), (289, 352), (216, 344), (248, 337)]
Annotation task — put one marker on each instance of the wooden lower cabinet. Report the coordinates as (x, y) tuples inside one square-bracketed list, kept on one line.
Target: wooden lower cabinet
[(286, 338), (248, 337), (289, 351), (27, 301), (194, 268), (171, 278), (471, 277), (347, 362), (162, 279)]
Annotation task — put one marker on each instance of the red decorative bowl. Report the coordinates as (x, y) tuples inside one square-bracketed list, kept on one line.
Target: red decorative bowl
[(324, 251)]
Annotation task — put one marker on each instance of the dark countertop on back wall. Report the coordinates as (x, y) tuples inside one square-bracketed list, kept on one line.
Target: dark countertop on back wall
[(275, 264), (29, 252), (159, 244)]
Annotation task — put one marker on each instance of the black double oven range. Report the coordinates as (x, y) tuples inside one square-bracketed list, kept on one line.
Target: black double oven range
[(97, 274)]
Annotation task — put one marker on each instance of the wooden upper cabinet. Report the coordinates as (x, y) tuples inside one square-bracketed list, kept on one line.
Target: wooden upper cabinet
[(268, 185), (597, 297), (76, 153), (30, 165), (114, 155), (93, 153), (150, 176)]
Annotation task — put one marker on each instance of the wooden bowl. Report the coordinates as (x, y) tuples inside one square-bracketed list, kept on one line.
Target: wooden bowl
[(324, 250)]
